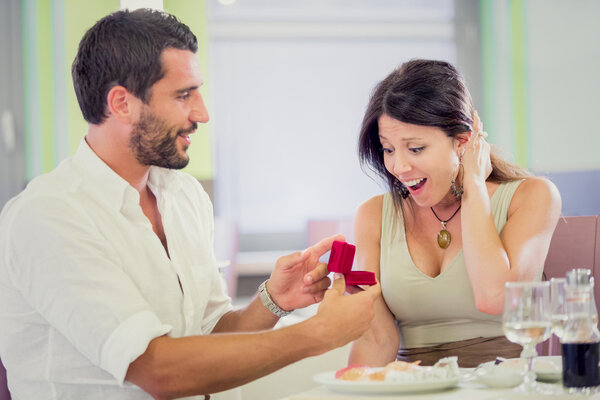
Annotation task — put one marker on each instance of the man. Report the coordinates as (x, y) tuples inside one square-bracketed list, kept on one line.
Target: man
[(108, 282)]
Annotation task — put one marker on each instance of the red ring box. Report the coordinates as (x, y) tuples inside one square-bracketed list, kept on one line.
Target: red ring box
[(340, 260)]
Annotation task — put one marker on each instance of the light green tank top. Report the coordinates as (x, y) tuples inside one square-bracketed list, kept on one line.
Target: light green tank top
[(431, 311)]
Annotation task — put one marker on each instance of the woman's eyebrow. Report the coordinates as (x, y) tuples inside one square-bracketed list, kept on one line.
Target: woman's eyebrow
[(403, 139)]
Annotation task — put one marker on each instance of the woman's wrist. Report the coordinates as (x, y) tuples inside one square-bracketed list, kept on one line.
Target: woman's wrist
[(473, 186)]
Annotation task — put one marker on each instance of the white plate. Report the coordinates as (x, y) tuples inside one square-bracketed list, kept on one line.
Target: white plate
[(547, 368), (328, 379), (498, 376)]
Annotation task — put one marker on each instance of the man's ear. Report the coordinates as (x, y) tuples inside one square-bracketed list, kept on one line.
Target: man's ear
[(122, 104)]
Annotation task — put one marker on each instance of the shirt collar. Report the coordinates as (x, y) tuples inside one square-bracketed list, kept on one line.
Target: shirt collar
[(109, 187), (163, 179)]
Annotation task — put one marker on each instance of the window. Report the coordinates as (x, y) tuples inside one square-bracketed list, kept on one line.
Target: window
[(290, 84)]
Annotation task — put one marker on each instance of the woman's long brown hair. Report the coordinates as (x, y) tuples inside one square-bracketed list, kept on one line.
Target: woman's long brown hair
[(428, 93)]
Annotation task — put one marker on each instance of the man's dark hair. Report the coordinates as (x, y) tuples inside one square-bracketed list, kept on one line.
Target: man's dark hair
[(124, 48)]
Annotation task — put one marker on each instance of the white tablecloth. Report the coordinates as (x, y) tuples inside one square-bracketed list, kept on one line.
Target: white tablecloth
[(464, 391)]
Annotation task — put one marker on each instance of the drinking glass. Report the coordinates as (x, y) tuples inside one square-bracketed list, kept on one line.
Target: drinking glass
[(594, 310), (527, 320), (558, 304)]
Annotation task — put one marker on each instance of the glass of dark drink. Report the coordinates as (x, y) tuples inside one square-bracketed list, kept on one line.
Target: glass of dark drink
[(580, 341)]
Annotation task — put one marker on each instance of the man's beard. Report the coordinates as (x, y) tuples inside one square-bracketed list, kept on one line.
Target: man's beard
[(153, 142)]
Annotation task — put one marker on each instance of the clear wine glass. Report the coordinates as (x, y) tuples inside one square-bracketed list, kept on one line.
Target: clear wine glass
[(558, 304), (527, 320)]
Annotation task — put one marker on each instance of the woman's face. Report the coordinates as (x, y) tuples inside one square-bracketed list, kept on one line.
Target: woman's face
[(423, 158)]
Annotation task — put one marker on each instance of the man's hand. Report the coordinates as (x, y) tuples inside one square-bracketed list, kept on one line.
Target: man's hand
[(299, 279), (346, 317)]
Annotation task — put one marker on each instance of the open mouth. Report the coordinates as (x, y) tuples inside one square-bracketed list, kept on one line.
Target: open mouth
[(415, 184), (186, 138)]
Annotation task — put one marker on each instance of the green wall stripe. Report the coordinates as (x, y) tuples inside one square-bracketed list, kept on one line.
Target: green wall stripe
[(488, 66), (61, 134), (79, 17), (193, 14), (31, 105), (519, 81), (46, 83)]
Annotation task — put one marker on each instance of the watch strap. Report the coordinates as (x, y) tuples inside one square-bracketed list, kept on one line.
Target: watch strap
[(268, 302)]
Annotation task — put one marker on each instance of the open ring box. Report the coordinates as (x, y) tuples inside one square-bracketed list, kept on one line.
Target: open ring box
[(340, 260)]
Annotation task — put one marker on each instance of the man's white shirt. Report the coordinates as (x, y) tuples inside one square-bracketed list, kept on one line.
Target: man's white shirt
[(85, 283)]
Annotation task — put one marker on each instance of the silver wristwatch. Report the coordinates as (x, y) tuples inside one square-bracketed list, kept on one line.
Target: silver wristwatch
[(268, 301)]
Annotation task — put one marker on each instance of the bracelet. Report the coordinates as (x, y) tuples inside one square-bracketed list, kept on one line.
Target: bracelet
[(268, 302)]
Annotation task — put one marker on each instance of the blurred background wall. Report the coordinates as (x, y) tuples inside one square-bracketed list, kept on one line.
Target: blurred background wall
[(287, 84)]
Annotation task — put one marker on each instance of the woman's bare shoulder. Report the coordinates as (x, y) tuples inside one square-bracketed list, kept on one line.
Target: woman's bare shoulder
[(538, 187), (537, 191), (368, 215), (374, 204)]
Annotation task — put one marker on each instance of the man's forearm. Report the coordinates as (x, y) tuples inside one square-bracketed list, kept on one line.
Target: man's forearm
[(207, 364), (254, 317), (172, 368)]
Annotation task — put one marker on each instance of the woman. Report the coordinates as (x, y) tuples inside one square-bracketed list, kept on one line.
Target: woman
[(458, 222)]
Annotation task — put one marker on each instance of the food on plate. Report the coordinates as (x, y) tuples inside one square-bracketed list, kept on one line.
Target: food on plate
[(401, 371), (352, 372), (402, 365)]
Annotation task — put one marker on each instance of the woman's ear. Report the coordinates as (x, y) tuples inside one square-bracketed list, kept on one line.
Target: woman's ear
[(460, 141), (122, 104)]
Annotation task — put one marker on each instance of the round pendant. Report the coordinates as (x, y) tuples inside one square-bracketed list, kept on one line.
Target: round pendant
[(443, 239)]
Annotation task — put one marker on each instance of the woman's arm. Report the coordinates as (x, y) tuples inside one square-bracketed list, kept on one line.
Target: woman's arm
[(378, 345), (519, 252)]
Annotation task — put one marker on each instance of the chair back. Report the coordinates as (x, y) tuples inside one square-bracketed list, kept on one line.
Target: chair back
[(4, 393), (574, 244)]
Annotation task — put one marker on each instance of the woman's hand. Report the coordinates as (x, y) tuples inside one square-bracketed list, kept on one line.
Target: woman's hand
[(476, 158)]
